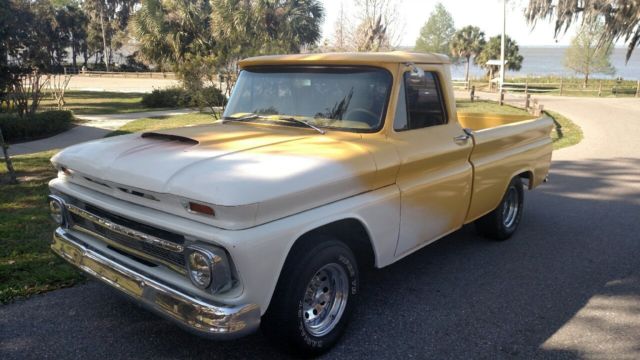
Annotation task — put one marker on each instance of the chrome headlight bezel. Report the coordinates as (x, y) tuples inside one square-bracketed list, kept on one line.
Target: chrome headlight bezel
[(58, 210), (215, 262)]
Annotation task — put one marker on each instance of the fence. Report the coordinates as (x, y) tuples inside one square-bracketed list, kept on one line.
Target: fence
[(560, 87), (131, 75), (460, 84)]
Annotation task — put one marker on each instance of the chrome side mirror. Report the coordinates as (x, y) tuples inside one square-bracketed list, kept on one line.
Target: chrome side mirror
[(416, 75)]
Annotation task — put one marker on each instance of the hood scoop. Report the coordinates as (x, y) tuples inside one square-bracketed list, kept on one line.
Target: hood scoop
[(169, 137)]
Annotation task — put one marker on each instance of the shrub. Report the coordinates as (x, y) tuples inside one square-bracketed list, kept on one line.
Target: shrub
[(209, 96), (160, 98), (15, 128), (179, 97)]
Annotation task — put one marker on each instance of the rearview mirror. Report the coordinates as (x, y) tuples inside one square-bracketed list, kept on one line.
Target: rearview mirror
[(416, 75)]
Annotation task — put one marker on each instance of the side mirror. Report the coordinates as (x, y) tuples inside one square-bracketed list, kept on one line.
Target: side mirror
[(416, 75)]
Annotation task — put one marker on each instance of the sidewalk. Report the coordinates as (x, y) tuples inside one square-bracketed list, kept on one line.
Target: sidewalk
[(94, 127)]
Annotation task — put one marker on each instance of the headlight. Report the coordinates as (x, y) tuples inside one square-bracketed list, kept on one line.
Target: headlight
[(209, 268), (200, 269), (56, 208)]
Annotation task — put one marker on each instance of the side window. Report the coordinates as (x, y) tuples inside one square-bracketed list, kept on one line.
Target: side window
[(422, 103)]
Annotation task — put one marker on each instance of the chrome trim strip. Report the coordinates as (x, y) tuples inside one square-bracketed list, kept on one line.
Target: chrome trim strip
[(200, 316), (132, 251), (123, 230)]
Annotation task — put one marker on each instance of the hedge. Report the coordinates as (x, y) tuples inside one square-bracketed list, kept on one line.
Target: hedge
[(47, 123), (179, 97)]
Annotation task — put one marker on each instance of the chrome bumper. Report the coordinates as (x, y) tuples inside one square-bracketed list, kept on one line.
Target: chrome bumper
[(211, 320)]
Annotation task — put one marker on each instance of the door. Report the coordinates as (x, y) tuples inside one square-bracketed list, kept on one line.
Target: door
[(435, 175)]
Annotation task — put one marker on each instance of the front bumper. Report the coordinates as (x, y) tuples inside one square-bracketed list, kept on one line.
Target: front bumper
[(200, 316)]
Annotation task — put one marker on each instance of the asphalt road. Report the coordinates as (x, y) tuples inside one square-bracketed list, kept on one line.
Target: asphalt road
[(566, 286)]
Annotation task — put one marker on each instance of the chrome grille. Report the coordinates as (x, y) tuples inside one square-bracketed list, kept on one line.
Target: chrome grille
[(130, 236)]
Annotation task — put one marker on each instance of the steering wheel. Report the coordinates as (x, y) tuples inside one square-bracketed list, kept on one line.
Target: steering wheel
[(362, 115)]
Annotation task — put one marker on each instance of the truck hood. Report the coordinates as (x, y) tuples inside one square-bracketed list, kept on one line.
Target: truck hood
[(272, 171)]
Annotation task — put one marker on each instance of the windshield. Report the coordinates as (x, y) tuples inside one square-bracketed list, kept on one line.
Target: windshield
[(342, 98)]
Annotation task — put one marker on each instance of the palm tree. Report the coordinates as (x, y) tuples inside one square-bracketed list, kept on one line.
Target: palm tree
[(203, 38), (621, 18), (512, 57), (286, 26), (467, 42)]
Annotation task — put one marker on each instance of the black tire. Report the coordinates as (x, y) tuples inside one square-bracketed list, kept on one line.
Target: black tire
[(284, 321), (501, 224)]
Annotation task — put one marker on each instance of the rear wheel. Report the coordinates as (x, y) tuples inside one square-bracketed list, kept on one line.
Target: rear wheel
[(314, 297), (502, 223)]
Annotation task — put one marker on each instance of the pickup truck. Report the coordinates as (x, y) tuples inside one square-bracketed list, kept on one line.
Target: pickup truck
[(322, 165)]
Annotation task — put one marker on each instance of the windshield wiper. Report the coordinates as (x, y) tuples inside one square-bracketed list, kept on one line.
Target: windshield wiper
[(281, 118), (241, 118), (306, 123)]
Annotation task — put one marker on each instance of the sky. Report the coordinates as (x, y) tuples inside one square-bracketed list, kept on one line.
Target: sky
[(486, 14)]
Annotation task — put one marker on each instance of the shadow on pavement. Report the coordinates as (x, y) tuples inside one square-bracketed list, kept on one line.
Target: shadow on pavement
[(566, 286), (75, 135)]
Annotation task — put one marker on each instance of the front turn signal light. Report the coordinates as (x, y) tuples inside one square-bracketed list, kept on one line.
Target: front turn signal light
[(202, 209)]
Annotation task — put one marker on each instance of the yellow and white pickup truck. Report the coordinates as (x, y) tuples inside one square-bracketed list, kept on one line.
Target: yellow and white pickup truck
[(323, 165)]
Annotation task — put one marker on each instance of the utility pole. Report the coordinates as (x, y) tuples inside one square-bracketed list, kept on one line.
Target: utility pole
[(502, 42)]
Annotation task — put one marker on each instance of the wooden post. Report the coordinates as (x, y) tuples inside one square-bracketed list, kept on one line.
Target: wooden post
[(526, 87), (534, 107), (527, 101), (600, 89), (540, 109), (472, 93), (561, 85), (638, 89), (502, 97)]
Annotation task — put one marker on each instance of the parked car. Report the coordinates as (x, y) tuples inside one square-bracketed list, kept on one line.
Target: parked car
[(323, 165)]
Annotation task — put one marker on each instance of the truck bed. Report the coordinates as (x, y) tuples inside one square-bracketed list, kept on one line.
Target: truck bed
[(479, 121), (505, 146)]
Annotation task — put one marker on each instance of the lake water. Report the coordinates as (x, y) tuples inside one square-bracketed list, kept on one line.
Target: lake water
[(540, 61)]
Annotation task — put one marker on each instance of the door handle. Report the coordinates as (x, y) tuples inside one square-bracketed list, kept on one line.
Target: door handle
[(461, 138), (468, 133)]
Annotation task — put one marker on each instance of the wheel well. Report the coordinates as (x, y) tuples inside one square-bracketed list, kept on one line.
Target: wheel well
[(528, 175), (350, 231)]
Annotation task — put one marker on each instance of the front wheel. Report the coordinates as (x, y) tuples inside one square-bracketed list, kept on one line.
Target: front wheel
[(314, 297), (502, 223)]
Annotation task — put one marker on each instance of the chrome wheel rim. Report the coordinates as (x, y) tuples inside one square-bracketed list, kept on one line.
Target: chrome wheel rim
[(510, 209), (325, 299)]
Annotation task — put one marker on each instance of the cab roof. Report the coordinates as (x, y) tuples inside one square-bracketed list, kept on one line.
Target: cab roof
[(356, 58)]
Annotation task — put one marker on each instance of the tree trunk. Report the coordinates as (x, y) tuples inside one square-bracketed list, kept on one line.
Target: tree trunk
[(105, 55), (586, 80), (74, 51), (7, 159), (586, 75), (466, 74)]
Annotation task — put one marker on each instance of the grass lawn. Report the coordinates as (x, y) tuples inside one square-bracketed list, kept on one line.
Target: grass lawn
[(566, 133), (164, 122), (99, 102), (27, 266)]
